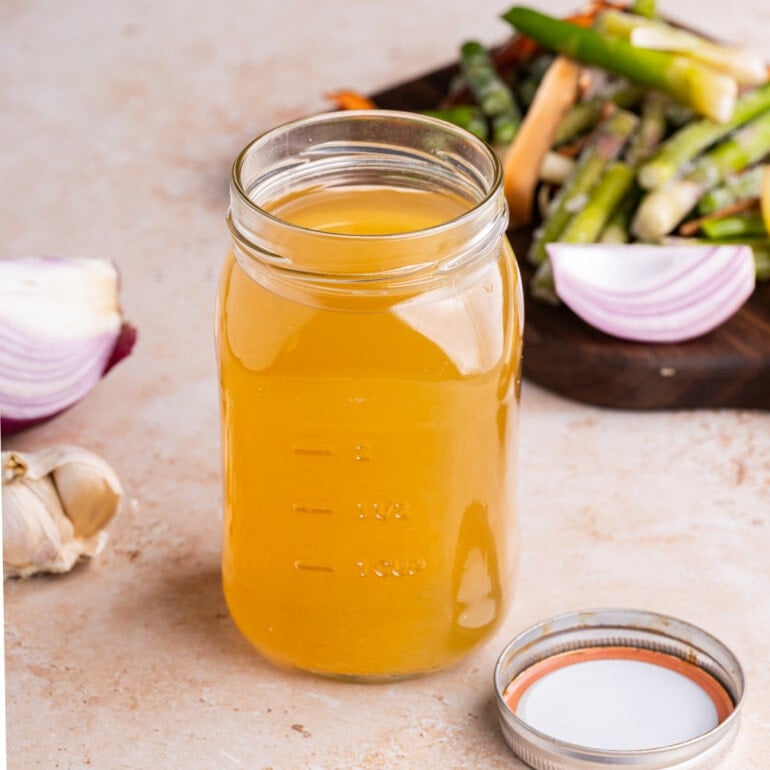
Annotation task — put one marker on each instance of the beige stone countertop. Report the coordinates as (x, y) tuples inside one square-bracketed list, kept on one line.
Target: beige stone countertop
[(120, 121)]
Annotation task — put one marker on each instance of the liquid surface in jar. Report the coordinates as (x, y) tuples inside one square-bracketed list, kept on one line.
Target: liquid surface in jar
[(368, 211), (369, 457)]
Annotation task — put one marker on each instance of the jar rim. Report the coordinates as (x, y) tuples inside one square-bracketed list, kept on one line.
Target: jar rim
[(494, 188)]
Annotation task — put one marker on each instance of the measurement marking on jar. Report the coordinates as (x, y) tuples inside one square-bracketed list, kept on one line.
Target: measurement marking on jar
[(312, 449), (300, 508), (384, 510), (363, 453), (384, 568), (313, 566)]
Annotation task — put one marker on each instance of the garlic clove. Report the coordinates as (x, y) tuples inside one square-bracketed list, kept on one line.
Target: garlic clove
[(34, 528), (61, 330), (56, 503), (89, 490)]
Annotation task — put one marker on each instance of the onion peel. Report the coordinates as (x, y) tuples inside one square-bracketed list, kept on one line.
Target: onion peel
[(647, 293), (61, 330)]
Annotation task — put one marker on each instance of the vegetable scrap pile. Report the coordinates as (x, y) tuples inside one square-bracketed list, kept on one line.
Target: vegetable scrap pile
[(668, 134), (615, 127)]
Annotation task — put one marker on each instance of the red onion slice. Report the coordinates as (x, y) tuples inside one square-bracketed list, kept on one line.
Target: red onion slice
[(653, 293), (61, 330)]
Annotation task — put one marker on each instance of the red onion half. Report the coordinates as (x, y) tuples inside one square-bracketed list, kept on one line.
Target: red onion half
[(653, 293), (61, 330)]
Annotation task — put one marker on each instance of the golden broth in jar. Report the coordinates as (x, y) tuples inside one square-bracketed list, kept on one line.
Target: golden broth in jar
[(369, 432)]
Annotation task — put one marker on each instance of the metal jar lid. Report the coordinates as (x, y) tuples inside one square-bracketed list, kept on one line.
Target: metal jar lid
[(608, 688)]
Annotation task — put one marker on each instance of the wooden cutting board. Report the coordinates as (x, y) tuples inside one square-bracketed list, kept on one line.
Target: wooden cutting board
[(729, 367)]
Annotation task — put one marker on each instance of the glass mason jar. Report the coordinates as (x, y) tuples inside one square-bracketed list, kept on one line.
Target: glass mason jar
[(369, 343)]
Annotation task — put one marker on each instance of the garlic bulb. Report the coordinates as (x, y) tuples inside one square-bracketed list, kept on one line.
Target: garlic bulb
[(56, 503)]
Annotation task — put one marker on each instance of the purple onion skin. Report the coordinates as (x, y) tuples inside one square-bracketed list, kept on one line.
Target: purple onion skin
[(124, 344)]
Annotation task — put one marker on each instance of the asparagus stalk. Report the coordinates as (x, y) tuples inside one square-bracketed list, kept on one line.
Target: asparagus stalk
[(646, 8), (736, 188), (617, 230), (761, 251), (695, 137), (694, 225), (764, 195), (456, 91), (677, 115), (663, 209), (740, 226), (505, 127), (527, 86), (464, 115), (605, 145), (586, 114), (542, 284), (745, 66), (586, 225), (490, 91), (618, 227), (708, 92), (651, 130)]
